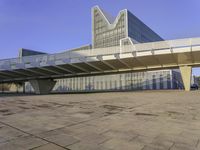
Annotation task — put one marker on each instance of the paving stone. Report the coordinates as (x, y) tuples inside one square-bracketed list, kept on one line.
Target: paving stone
[(118, 144), (10, 146), (162, 143), (125, 135), (49, 147), (142, 139), (84, 146), (23, 143), (153, 147), (92, 138), (62, 139), (178, 139), (182, 147), (8, 133)]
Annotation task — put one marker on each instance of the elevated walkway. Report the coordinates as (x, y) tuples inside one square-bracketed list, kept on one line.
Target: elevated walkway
[(182, 53)]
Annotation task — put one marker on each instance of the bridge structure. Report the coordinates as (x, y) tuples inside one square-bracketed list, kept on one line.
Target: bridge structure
[(42, 70)]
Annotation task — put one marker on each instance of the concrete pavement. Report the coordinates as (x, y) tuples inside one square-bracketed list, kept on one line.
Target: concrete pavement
[(148, 120)]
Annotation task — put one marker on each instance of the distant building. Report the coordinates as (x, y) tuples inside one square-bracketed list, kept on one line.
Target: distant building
[(125, 29)]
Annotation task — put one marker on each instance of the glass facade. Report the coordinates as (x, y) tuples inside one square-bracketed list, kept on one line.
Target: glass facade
[(105, 34), (118, 82), (139, 31), (108, 33)]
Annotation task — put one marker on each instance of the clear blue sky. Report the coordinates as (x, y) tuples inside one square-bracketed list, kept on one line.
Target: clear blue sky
[(55, 25)]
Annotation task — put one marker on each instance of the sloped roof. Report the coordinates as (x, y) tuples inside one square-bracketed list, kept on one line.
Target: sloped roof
[(110, 18)]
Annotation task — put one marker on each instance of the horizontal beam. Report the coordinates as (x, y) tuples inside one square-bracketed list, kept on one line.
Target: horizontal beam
[(20, 73), (64, 69), (117, 56), (36, 72), (80, 68), (100, 58), (7, 74), (49, 70)]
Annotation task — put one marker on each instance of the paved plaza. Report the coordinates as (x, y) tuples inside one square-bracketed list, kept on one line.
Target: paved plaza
[(147, 120)]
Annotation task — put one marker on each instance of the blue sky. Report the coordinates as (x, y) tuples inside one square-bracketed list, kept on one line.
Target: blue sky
[(56, 25)]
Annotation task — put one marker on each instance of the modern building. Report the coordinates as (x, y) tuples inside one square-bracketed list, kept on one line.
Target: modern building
[(125, 29), (108, 31)]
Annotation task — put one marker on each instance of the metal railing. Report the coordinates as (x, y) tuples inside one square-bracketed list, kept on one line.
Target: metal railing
[(37, 60)]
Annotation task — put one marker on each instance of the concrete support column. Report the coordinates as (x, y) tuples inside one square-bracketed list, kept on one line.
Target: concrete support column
[(186, 72), (42, 86), (23, 84)]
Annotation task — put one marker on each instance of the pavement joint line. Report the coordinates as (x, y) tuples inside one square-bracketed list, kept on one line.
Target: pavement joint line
[(102, 133), (13, 139), (143, 147), (105, 141), (49, 131), (84, 121), (133, 108), (38, 146), (56, 128), (135, 137), (171, 146), (197, 143), (73, 143), (34, 135)]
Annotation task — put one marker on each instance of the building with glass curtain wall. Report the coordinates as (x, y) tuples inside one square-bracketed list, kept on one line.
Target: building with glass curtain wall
[(108, 31), (125, 29)]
